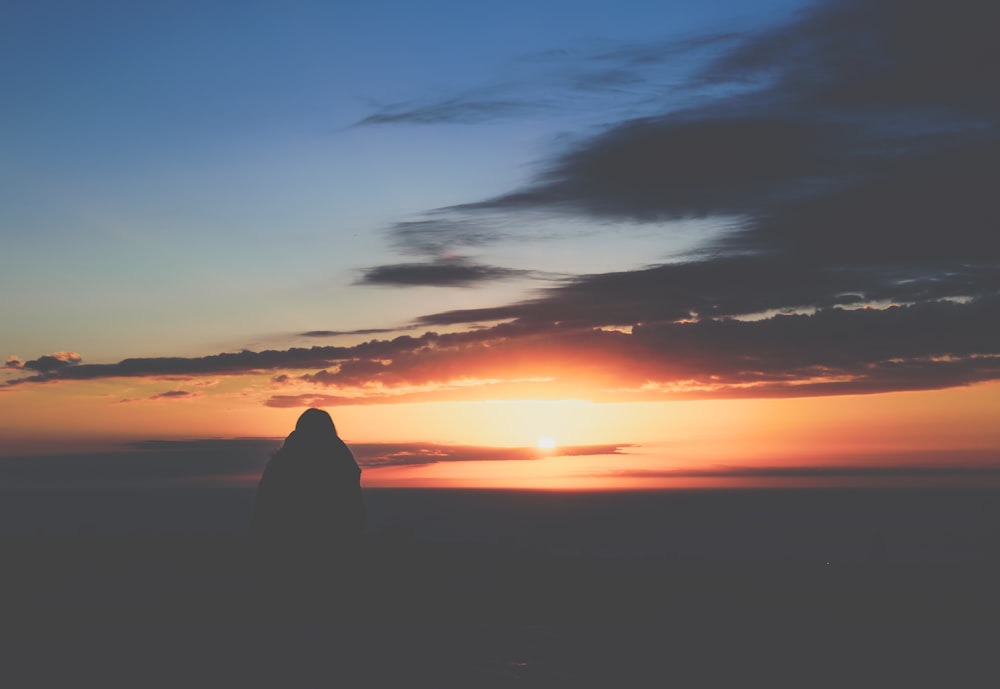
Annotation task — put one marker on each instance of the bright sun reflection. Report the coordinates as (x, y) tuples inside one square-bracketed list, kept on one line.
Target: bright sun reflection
[(546, 443)]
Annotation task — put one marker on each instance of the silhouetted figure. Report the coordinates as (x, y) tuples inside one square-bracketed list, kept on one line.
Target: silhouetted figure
[(309, 513)]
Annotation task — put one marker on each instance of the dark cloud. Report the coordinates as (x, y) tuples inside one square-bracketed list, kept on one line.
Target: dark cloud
[(441, 273), (725, 287), (857, 146), (336, 333), (174, 394), (861, 133), (439, 235), (929, 211), (50, 363), (255, 362), (678, 166), (14, 362), (875, 54), (871, 121), (832, 350), (925, 345), (440, 238), (226, 363), (857, 120), (167, 395), (453, 111)]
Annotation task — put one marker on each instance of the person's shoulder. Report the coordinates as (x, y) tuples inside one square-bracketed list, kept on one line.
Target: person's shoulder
[(278, 461), (345, 451)]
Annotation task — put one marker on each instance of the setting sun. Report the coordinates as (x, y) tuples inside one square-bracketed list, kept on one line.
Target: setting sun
[(546, 443)]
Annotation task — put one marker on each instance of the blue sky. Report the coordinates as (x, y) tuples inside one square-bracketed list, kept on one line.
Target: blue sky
[(184, 178)]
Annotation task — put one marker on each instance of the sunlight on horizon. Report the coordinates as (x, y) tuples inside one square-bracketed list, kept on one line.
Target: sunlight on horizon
[(546, 443), (651, 436)]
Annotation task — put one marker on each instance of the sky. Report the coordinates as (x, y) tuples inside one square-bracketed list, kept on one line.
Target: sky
[(530, 244)]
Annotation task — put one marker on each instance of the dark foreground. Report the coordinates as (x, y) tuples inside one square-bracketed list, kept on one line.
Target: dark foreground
[(413, 611)]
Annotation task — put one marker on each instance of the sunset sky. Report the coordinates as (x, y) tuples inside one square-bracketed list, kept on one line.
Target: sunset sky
[(684, 241)]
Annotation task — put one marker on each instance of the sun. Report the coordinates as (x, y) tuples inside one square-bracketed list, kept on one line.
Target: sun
[(546, 443)]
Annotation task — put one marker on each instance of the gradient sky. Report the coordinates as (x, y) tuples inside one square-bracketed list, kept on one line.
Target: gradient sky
[(683, 238)]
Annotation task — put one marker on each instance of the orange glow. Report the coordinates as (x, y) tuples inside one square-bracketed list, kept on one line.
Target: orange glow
[(545, 443), (656, 436)]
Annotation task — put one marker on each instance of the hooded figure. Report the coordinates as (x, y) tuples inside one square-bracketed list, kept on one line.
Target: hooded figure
[(309, 507)]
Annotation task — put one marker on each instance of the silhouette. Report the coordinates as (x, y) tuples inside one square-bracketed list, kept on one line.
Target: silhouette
[(309, 513)]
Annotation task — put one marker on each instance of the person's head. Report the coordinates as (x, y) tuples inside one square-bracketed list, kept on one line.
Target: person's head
[(315, 423)]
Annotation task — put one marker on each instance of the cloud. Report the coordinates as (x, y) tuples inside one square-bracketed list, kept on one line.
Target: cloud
[(595, 77), (832, 350), (452, 111), (14, 362), (441, 238), (681, 166), (441, 273), (174, 394), (336, 333), (440, 235), (49, 363), (844, 137), (886, 53), (167, 395), (157, 367), (725, 287), (854, 146)]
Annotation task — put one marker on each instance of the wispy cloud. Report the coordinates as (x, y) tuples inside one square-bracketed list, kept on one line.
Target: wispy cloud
[(450, 111), (440, 273), (338, 333), (599, 77), (444, 237), (166, 395), (441, 235)]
